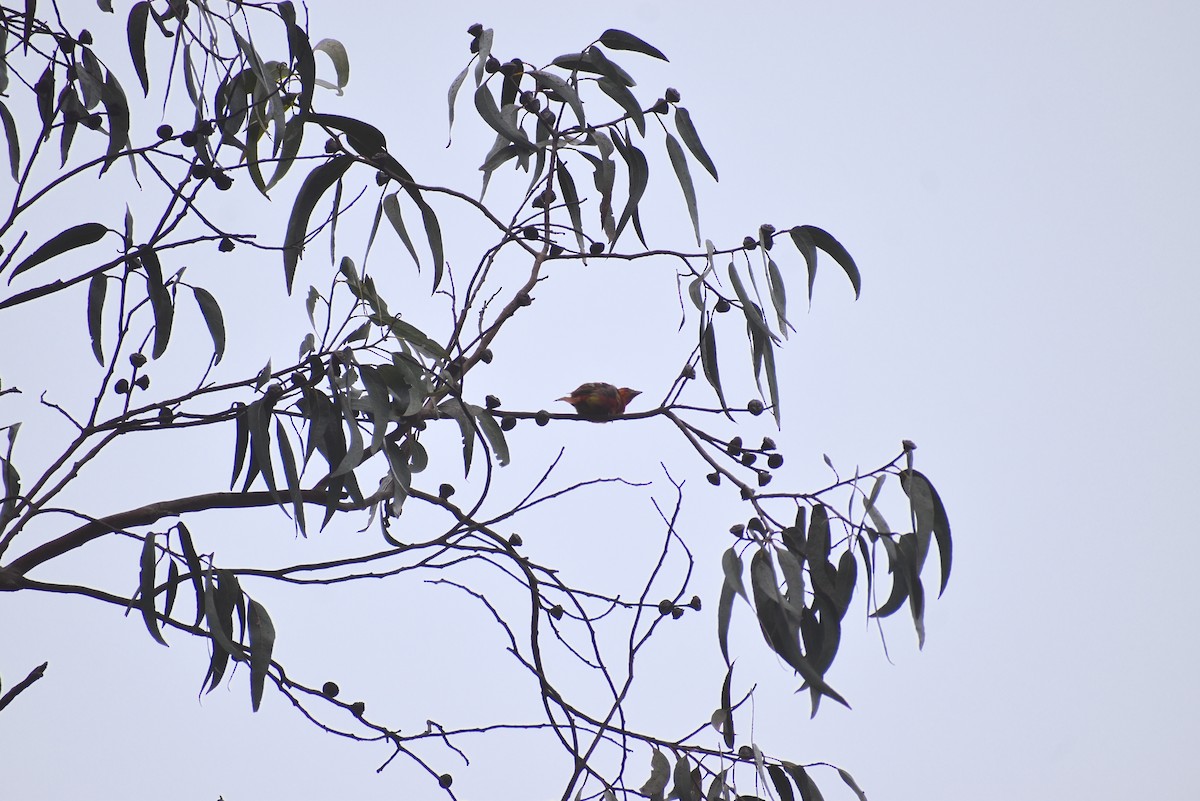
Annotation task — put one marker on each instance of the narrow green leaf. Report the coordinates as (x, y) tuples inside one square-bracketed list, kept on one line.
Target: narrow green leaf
[(340, 58), (117, 107), (14, 143), (454, 408), (783, 787), (489, 112), (76, 236), (778, 296), (97, 288), (615, 39), (30, 18), (391, 207), (708, 361), (146, 589), (731, 565), (492, 433), (687, 132), (754, 315), (853, 785), (660, 772), (314, 186), (930, 516), (806, 786), (136, 30), (724, 615), (562, 90), (160, 301), (639, 179), (213, 318), (483, 49), (290, 474), (566, 185), (43, 89), (452, 95), (803, 241), (625, 99), (262, 643), (193, 562), (241, 441), (825, 241), (727, 707), (172, 587), (679, 163)]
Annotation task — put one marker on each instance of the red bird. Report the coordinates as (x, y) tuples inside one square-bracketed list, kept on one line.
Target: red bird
[(600, 402)]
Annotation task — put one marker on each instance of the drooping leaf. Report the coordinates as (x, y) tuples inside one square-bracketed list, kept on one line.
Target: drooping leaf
[(43, 89), (136, 31), (241, 440), (731, 565), (625, 99), (808, 237), (193, 562), (679, 163), (213, 318), (290, 474), (615, 39), (341, 61), (727, 733), (314, 186), (853, 785), (806, 786), (930, 516), (660, 773), (560, 89), (753, 314), (779, 778), (14, 143), (172, 587), (639, 178), (160, 301), (489, 112), (687, 132), (97, 287), (117, 108), (76, 236), (262, 643), (566, 185), (778, 296), (492, 433), (452, 95), (708, 361), (146, 589)]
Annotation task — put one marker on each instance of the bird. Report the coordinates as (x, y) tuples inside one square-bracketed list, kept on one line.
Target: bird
[(600, 402)]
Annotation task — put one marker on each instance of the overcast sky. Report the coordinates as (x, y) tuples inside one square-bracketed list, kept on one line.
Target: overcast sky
[(1019, 184)]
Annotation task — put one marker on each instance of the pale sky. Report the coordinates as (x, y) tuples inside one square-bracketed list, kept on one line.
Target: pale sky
[(1019, 184)]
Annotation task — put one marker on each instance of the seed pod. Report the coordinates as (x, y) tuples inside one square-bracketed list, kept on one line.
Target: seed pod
[(508, 423), (671, 95), (542, 417), (165, 132), (491, 402), (755, 407), (665, 606), (722, 306), (329, 689), (775, 460)]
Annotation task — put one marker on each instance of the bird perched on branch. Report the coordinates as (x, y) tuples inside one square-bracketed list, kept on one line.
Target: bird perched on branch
[(600, 402)]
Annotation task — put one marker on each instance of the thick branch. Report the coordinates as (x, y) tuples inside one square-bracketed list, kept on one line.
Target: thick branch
[(144, 516)]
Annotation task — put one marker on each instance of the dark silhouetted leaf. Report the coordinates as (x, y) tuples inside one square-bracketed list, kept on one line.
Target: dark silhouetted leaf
[(44, 91), (931, 517), (193, 562), (806, 786), (146, 589), (639, 178), (490, 113), (615, 39), (452, 95), (262, 642), (679, 163), (853, 785), (708, 360), (687, 132), (76, 236), (97, 288), (660, 773), (806, 237), (160, 301), (562, 90), (625, 99), (213, 319), (241, 440), (566, 185), (136, 30), (778, 296), (118, 119), (290, 474), (14, 143), (314, 186), (727, 733), (492, 433), (782, 786)]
